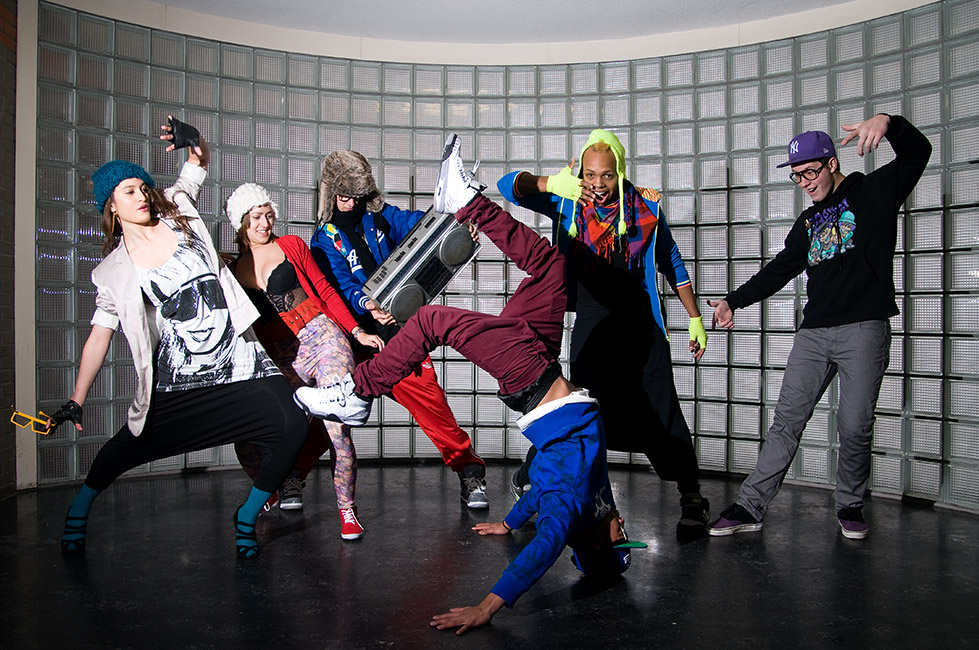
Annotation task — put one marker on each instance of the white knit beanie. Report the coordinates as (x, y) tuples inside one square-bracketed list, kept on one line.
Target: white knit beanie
[(243, 199)]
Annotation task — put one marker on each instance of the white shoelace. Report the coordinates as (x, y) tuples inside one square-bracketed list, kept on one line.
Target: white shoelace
[(349, 517)]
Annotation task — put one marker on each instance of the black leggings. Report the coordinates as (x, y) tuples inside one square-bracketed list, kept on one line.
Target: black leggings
[(260, 411)]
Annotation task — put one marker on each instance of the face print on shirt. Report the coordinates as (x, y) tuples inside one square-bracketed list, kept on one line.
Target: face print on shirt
[(199, 315), (198, 339)]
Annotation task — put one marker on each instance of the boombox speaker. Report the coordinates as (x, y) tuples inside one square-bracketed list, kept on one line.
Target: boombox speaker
[(425, 261)]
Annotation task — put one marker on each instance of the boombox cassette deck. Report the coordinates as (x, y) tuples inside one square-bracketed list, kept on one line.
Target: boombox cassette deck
[(422, 265)]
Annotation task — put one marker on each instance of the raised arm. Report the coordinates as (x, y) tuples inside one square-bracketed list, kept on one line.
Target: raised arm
[(180, 135), (188, 184), (526, 184), (895, 180)]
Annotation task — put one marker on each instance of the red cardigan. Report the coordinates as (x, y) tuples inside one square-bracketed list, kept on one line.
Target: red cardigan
[(314, 283)]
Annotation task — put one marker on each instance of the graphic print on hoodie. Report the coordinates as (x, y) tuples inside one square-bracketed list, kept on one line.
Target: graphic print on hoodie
[(830, 232)]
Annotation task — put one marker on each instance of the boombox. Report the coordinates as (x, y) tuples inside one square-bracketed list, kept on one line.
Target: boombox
[(425, 261)]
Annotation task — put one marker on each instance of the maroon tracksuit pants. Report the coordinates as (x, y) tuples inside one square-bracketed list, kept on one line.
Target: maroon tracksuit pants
[(515, 347)]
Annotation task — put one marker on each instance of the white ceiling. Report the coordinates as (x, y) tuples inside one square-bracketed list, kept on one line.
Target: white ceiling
[(501, 21)]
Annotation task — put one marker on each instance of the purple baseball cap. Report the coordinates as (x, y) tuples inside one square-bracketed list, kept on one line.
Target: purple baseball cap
[(811, 145)]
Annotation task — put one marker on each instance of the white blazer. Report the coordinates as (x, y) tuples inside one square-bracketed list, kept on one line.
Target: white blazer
[(120, 300)]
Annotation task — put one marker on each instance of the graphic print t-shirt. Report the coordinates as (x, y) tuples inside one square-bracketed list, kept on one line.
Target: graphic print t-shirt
[(198, 346)]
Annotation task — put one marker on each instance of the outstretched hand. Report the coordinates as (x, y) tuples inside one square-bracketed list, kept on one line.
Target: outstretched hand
[(491, 528), (869, 133), (467, 617), (723, 314)]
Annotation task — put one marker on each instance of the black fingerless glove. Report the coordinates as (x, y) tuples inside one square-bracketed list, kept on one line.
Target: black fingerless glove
[(70, 410), (184, 135)]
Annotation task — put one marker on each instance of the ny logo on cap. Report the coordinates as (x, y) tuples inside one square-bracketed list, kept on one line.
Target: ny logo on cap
[(794, 147)]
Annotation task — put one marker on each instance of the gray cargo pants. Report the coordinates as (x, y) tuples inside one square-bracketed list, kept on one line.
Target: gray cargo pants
[(859, 352)]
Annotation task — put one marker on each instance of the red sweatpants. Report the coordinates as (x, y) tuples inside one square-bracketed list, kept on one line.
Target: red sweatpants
[(421, 394)]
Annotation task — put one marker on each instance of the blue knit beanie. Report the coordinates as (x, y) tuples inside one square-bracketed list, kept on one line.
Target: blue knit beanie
[(107, 177)]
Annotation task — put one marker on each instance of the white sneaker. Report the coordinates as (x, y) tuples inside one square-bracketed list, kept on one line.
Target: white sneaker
[(455, 187), (336, 402)]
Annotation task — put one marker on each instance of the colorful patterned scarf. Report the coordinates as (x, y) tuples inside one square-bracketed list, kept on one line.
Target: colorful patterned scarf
[(598, 229)]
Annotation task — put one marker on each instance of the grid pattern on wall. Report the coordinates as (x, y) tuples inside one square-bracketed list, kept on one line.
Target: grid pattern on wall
[(708, 128)]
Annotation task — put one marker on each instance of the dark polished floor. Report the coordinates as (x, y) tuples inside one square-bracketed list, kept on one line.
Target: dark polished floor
[(160, 572)]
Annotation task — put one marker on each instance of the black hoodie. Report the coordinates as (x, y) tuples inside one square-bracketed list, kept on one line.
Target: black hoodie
[(846, 242)]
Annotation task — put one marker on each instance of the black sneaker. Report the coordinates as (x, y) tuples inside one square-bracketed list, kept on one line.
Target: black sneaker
[(852, 524), (516, 489), (694, 515), (473, 487), (291, 494)]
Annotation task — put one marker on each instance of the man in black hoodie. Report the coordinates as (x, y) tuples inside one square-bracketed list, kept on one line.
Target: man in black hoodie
[(845, 243)]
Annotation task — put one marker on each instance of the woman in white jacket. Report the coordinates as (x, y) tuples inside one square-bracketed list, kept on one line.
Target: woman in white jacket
[(202, 378)]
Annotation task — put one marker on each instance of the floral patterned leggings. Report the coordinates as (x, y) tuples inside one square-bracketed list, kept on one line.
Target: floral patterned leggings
[(318, 354)]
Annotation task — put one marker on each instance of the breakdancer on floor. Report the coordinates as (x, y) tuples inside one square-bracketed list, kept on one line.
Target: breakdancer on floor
[(571, 493)]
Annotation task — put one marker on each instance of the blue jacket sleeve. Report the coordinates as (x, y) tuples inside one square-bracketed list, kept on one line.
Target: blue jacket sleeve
[(522, 510), (663, 255), (328, 258), (401, 221), (553, 531), (550, 205), (667, 256)]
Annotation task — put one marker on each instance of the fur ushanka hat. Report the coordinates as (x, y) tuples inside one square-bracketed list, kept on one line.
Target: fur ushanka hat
[(347, 173)]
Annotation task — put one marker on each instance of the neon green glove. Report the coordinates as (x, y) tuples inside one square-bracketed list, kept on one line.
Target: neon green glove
[(697, 332), (565, 184)]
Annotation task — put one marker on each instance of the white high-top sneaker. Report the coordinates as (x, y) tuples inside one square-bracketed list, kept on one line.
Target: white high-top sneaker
[(455, 187), (337, 402)]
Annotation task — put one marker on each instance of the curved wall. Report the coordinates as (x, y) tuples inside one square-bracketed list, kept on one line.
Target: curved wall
[(159, 15), (707, 127)]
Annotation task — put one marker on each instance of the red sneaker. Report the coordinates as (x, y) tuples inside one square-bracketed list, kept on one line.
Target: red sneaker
[(271, 503), (351, 528)]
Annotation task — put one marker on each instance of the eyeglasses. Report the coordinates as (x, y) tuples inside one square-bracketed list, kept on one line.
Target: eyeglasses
[(24, 420), (344, 199), (808, 174)]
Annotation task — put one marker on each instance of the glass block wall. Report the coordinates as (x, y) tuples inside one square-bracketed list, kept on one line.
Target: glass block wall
[(708, 128)]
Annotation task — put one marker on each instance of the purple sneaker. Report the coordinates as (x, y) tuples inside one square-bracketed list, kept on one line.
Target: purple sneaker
[(852, 524), (733, 520)]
